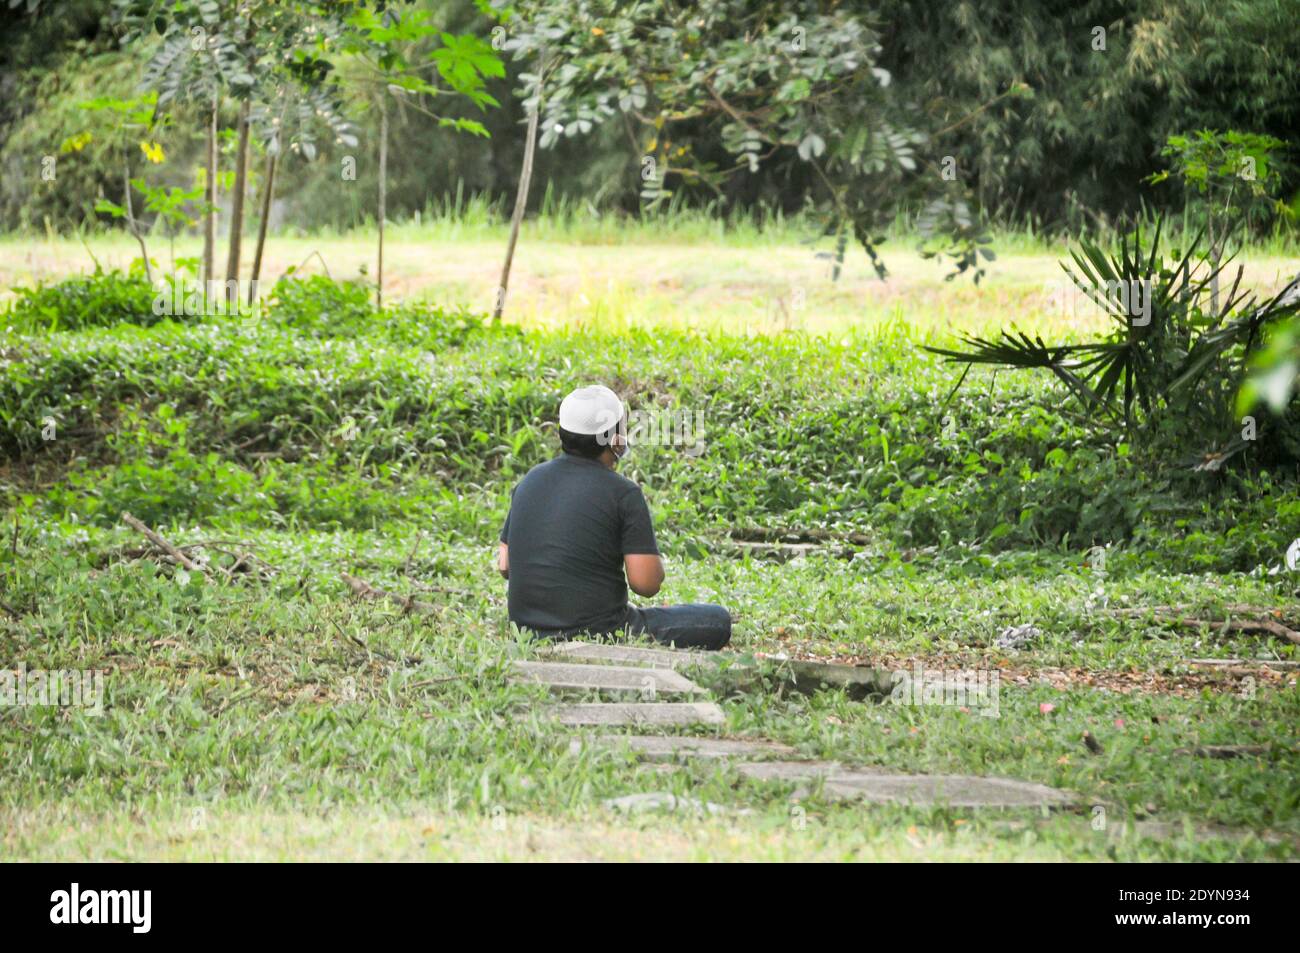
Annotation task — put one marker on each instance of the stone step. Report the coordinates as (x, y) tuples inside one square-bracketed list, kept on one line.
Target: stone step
[(662, 801), (617, 678), (631, 654), (857, 681), (879, 786), (791, 770), (952, 790), (671, 748), (645, 713)]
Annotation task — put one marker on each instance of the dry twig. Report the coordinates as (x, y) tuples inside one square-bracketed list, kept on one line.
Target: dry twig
[(364, 590), (162, 544), (1172, 615)]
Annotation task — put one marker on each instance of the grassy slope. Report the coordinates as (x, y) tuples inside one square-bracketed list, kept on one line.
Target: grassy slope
[(297, 723)]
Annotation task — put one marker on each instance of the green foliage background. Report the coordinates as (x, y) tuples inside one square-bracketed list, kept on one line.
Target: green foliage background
[(1046, 130)]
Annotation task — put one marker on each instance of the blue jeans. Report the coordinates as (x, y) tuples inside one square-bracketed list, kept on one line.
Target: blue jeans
[(695, 625)]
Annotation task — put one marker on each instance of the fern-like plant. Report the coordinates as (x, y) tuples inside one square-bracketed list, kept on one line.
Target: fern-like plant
[(1169, 370)]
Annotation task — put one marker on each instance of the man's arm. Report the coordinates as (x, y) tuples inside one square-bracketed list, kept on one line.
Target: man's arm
[(645, 573), (503, 560), (641, 561)]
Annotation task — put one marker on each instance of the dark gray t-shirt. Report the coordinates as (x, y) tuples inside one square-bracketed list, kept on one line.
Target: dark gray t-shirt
[(571, 522)]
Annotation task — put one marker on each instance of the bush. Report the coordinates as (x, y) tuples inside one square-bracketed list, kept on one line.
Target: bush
[(1166, 376), (407, 412), (99, 300), (319, 304), (321, 307)]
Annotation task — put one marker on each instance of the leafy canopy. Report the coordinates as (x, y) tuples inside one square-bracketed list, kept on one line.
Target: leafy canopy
[(775, 81)]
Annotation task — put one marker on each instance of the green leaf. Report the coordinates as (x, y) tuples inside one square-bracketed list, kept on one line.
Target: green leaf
[(111, 208)]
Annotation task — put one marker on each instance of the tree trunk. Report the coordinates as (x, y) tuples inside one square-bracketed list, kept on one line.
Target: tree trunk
[(521, 203), (130, 222), (1214, 262), (210, 198), (237, 209), (267, 192), (383, 188)]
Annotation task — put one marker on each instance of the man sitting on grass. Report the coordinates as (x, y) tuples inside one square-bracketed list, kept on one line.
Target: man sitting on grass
[(575, 527)]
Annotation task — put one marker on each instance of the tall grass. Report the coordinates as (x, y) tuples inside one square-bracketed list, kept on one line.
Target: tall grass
[(462, 215)]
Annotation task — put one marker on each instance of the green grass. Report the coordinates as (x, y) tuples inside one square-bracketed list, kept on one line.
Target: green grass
[(285, 699), (692, 271), (275, 717)]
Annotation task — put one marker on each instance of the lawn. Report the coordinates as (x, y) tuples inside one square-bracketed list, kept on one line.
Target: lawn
[(273, 715), (685, 276)]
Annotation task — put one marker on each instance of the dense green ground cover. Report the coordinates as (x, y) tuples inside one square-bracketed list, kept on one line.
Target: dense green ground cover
[(329, 439)]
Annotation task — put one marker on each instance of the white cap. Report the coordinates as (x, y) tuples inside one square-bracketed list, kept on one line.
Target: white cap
[(590, 410)]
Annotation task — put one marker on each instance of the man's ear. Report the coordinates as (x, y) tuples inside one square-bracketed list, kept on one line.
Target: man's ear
[(618, 442)]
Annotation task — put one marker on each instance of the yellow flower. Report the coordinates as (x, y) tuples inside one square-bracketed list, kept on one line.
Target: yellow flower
[(152, 151), (76, 143)]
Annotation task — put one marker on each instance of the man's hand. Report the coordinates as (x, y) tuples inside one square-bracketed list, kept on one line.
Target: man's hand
[(503, 561), (645, 573)]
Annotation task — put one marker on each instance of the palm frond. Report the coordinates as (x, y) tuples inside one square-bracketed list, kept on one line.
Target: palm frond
[(1167, 344), (1015, 349)]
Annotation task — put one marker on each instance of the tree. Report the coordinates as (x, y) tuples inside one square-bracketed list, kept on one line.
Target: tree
[(203, 50), (528, 44), (299, 100), (255, 49), (393, 50), (136, 120), (1234, 175), (771, 81), (304, 105)]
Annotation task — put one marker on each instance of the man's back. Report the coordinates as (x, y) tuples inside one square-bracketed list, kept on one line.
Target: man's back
[(571, 522)]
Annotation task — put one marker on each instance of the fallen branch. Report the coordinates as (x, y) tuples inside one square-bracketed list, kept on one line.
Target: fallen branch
[(241, 562), (364, 590), (1238, 625), (355, 640), (1224, 751), (1231, 664), (162, 544), (244, 445), (1165, 614)]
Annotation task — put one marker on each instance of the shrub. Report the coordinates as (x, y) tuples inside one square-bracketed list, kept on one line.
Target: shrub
[(321, 430), (1167, 376), (101, 299)]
